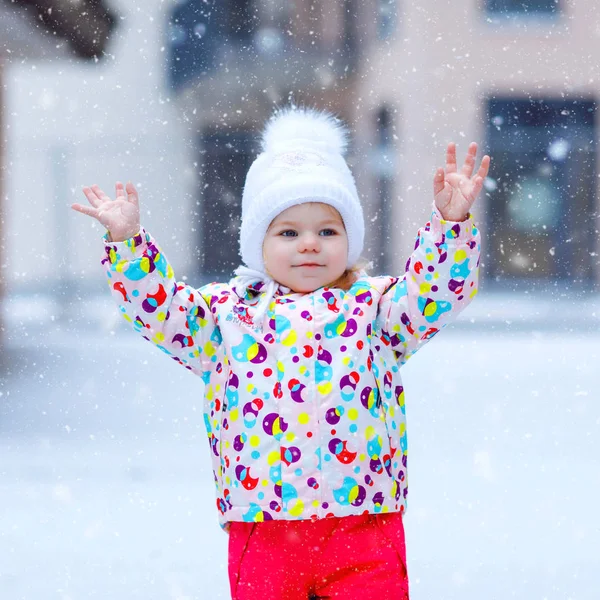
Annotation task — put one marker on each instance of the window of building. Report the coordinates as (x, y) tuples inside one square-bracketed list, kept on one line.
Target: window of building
[(192, 37), (225, 160), (382, 167), (542, 190), (198, 30), (386, 18), (523, 7), (241, 19)]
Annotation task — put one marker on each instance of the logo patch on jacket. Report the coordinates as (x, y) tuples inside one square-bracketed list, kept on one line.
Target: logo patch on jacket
[(241, 316)]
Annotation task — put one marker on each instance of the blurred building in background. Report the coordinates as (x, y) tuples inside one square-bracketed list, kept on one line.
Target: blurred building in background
[(71, 122), (519, 77), (47, 30), (182, 89)]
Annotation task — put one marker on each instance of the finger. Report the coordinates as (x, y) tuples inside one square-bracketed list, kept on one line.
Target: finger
[(132, 194), (438, 181), (86, 210), (451, 158), (477, 185), (101, 195), (91, 197), (484, 167), (120, 190), (469, 164)]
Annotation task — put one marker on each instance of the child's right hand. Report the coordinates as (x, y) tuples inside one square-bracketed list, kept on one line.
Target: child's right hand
[(120, 216)]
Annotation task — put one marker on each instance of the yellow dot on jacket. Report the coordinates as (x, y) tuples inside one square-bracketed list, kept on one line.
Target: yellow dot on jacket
[(253, 351), (460, 256), (290, 339), (430, 309), (145, 265), (297, 509), (277, 426), (325, 388)]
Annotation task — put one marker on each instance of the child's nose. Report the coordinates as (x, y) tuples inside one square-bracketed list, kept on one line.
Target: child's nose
[(309, 241)]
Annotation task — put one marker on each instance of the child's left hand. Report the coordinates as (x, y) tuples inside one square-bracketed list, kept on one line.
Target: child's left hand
[(454, 192)]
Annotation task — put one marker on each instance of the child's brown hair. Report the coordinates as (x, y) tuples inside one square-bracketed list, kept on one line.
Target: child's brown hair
[(349, 276)]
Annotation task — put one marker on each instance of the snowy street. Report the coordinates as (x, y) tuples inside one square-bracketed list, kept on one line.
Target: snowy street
[(106, 489)]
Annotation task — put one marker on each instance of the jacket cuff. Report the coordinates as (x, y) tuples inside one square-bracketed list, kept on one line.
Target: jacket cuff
[(128, 249), (450, 231)]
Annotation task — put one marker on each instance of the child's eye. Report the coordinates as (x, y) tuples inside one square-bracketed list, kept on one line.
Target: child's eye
[(328, 232), (288, 233)]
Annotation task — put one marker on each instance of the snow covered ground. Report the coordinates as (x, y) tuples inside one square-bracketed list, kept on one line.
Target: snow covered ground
[(106, 489)]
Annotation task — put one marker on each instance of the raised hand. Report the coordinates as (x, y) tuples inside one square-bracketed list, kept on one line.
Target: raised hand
[(455, 191), (120, 216)]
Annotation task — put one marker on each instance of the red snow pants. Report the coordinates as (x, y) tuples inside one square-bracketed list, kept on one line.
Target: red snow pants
[(360, 556)]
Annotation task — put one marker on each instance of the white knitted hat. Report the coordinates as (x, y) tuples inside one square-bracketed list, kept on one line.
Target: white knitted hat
[(301, 161)]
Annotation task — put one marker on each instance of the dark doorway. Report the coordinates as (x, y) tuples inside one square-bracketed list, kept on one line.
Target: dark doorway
[(226, 158), (542, 191)]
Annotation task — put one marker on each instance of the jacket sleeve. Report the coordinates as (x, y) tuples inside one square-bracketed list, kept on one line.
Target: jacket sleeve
[(172, 315), (441, 279)]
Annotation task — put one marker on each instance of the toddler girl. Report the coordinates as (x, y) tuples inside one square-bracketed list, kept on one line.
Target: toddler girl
[(300, 356)]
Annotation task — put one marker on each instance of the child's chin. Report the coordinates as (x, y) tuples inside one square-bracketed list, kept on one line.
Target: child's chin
[(305, 288)]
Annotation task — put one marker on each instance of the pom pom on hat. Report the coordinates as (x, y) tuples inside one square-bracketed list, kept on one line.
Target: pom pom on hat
[(307, 126), (301, 161)]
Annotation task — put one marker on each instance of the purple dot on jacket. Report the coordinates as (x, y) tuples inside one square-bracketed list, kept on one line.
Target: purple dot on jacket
[(434, 288), (295, 359), (343, 348), (317, 336), (249, 374), (460, 297), (431, 268), (325, 505)]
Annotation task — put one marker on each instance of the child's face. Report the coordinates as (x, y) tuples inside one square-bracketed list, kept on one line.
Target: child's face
[(306, 247)]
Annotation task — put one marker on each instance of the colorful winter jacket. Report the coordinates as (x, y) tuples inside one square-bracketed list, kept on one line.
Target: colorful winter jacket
[(304, 411)]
